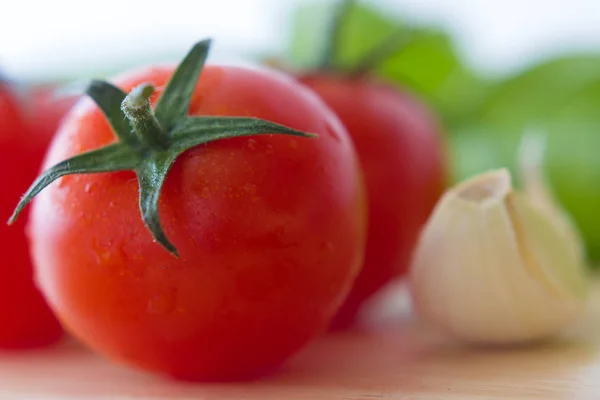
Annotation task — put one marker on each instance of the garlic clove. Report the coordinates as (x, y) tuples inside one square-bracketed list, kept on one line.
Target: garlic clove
[(490, 267), (536, 190), (548, 247)]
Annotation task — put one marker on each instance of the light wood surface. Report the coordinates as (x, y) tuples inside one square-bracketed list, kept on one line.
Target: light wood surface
[(398, 360)]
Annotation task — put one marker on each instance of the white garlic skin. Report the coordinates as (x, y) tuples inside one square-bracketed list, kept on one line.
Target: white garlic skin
[(470, 276)]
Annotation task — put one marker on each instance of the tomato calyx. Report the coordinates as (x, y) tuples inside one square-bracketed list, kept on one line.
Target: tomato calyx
[(149, 141), (390, 45), (334, 34)]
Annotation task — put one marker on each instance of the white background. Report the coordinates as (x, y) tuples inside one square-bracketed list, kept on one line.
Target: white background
[(46, 39)]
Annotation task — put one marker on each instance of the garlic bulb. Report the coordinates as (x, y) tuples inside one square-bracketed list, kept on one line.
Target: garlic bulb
[(494, 266)]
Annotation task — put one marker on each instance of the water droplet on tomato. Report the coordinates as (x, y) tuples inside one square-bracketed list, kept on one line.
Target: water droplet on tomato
[(163, 302), (251, 144), (205, 192), (102, 251), (293, 144), (89, 187), (250, 188), (269, 149), (96, 250)]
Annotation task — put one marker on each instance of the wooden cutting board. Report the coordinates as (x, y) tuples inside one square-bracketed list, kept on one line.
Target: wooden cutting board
[(398, 360)]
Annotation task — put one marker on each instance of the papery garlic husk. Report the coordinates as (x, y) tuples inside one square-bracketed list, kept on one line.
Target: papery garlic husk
[(494, 266)]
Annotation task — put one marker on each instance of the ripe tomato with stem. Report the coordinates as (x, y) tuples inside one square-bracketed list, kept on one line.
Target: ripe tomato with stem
[(252, 225)]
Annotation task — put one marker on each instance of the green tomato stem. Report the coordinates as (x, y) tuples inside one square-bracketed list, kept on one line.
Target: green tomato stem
[(392, 44), (334, 33), (136, 107), (151, 141)]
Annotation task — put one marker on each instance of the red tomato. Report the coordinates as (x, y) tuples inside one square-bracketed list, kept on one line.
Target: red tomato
[(25, 318), (46, 110), (400, 150), (270, 231)]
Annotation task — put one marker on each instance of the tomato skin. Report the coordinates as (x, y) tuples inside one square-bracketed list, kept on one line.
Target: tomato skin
[(270, 230), (45, 109), (399, 144), (25, 318)]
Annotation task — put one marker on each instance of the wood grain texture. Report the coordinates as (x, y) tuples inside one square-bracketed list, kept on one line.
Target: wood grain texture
[(399, 360)]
